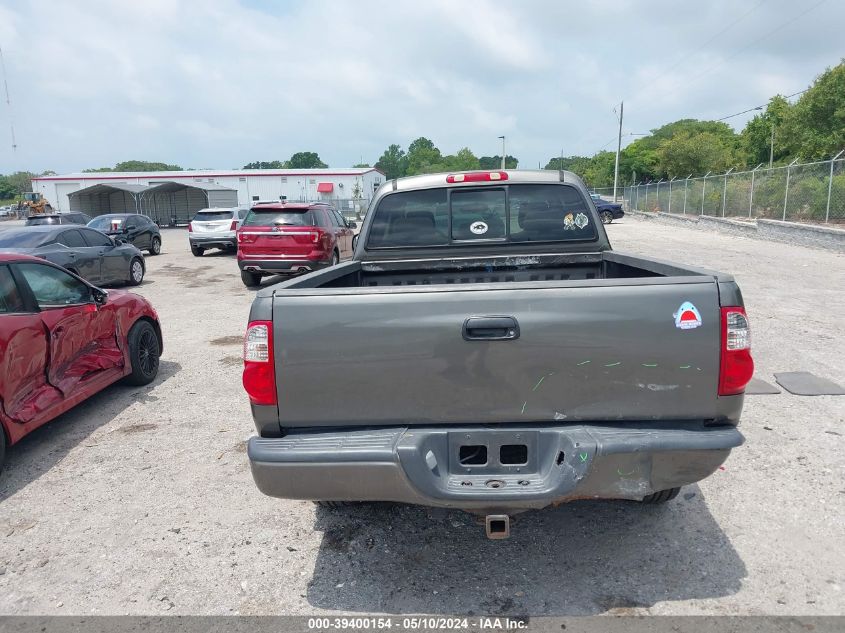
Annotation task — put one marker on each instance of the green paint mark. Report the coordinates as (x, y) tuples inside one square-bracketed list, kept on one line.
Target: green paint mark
[(649, 364), (614, 364), (621, 474), (539, 382), (685, 366), (582, 363), (523, 406), (583, 457)]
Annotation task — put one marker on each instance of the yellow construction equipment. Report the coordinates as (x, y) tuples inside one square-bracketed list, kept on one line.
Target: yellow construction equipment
[(36, 203)]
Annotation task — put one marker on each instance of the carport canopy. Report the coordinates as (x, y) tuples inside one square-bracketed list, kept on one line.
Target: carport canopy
[(116, 197), (168, 202)]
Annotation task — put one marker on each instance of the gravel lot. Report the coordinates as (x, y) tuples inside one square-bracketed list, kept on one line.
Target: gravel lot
[(140, 501)]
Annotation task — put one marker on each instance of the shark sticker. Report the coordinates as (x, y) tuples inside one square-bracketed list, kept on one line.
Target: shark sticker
[(687, 317)]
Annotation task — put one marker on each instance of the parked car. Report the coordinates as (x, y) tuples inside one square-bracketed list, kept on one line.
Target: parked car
[(519, 361), (97, 258), (72, 217), (63, 340), (215, 228), (608, 211), (138, 230), (285, 238), (7, 211)]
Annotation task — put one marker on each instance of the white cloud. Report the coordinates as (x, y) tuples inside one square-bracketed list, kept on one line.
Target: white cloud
[(222, 82)]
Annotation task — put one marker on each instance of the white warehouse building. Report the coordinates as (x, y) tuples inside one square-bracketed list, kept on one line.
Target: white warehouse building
[(171, 197)]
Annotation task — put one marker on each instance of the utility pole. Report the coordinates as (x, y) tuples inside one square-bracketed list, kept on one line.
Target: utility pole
[(618, 150), (772, 147), (503, 152)]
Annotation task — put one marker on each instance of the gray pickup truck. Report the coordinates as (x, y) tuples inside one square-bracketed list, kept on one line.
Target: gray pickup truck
[(486, 350)]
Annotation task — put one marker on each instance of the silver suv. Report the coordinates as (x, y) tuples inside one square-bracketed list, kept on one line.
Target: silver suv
[(215, 228)]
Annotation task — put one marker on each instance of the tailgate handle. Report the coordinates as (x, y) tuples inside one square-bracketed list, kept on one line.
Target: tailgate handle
[(491, 328)]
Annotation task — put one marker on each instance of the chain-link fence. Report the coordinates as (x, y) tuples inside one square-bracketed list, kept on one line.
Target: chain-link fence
[(807, 192)]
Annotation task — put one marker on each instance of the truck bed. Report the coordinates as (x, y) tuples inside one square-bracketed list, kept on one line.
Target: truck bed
[(595, 339)]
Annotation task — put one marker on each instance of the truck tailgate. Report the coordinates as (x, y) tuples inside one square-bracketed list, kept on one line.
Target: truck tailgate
[(591, 352)]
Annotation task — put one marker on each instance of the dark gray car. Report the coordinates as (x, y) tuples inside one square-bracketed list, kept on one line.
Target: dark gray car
[(95, 257)]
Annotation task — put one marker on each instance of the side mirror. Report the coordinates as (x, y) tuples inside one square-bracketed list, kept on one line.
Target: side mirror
[(352, 225), (99, 296), (355, 240)]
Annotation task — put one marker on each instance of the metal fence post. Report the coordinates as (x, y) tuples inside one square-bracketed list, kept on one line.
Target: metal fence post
[(786, 192), (646, 198), (657, 196), (725, 191), (686, 182), (830, 186), (670, 194), (703, 189), (751, 197)]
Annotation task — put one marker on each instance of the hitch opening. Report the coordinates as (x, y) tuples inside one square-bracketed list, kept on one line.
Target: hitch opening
[(498, 526)]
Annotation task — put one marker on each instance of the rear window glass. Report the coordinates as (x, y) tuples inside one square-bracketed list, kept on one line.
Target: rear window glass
[(276, 217), (24, 239), (38, 221), (210, 216), (106, 223), (513, 213)]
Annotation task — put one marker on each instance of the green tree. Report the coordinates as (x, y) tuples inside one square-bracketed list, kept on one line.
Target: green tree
[(756, 137), (424, 157), (695, 153), (495, 162), (393, 162), (18, 183), (361, 165), (306, 160), (815, 125), (262, 164), (464, 160)]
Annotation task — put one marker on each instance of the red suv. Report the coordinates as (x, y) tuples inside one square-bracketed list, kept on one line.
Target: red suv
[(286, 238)]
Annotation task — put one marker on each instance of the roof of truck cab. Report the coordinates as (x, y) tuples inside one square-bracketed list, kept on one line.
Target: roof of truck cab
[(521, 176)]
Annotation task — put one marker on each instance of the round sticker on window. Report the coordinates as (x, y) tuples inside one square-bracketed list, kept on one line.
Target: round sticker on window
[(479, 228)]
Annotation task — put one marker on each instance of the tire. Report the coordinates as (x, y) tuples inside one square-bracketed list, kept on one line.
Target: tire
[(606, 217), (155, 248), (136, 271), (661, 496), (251, 280), (197, 250), (144, 351), (335, 259), (2, 448)]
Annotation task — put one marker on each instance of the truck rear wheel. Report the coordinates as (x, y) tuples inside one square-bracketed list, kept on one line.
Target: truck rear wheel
[(661, 496)]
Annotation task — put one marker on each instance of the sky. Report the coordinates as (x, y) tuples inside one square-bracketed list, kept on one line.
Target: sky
[(220, 83)]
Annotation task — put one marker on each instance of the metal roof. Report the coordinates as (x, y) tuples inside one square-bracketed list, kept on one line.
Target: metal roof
[(170, 185), (110, 188), (209, 173)]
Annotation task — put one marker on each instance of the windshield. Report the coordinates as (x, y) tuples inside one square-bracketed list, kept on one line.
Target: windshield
[(276, 217), (514, 213), (23, 239), (209, 216), (107, 223)]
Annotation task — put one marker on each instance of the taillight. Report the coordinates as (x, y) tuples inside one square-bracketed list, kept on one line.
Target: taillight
[(316, 236), (190, 227), (485, 176), (737, 366), (259, 372), (234, 226), (243, 238)]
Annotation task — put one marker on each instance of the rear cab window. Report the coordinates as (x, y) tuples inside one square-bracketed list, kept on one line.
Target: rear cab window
[(507, 214)]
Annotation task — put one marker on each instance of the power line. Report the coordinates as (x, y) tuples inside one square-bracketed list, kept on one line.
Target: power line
[(8, 101), (760, 107)]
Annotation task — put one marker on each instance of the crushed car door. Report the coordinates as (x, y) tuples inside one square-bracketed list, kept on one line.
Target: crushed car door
[(24, 391), (83, 341)]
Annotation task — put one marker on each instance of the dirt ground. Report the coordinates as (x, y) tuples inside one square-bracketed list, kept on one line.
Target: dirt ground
[(140, 501)]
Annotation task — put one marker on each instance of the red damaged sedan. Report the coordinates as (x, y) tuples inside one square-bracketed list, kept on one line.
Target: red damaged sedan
[(63, 340)]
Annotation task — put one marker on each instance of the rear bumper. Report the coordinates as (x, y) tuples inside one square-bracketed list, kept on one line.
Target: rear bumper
[(422, 465), (227, 239), (281, 266)]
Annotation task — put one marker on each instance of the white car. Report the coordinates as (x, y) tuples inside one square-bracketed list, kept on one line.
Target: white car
[(215, 228)]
